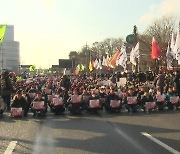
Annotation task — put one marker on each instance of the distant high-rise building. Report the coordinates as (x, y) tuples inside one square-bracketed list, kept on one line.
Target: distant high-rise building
[(10, 53)]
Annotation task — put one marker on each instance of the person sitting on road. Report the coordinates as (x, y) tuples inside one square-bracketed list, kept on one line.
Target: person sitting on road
[(19, 101), (130, 106), (170, 94), (39, 98), (111, 96), (146, 97), (160, 99), (102, 92), (93, 96), (31, 94), (73, 106), (57, 109), (140, 93)]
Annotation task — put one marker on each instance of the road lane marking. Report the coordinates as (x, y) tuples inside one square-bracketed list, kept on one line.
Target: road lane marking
[(160, 143), (11, 147), (127, 137)]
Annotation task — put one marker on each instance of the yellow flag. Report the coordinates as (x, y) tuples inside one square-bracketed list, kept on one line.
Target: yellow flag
[(32, 68), (2, 32), (18, 78), (90, 66), (82, 67)]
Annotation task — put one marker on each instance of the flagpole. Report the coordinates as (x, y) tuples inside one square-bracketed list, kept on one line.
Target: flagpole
[(87, 64), (138, 68), (157, 65), (136, 41), (1, 58), (155, 62), (137, 65)]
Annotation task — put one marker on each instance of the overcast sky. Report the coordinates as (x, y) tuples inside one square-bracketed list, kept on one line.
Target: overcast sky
[(49, 29)]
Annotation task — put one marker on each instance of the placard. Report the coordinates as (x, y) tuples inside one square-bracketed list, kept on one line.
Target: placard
[(94, 103), (174, 99), (121, 82), (57, 101), (115, 103), (106, 82), (56, 96), (150, 105), (131, 100), (160, 98), (119, 94), (76, 98), (38, 105), (16, 112)]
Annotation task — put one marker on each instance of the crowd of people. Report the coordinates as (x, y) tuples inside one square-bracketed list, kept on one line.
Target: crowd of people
[(89, 93)]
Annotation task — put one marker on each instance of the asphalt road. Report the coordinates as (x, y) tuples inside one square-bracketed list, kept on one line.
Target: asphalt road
[(92, 133)]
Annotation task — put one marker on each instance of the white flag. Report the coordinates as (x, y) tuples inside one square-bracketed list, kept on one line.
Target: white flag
[(136, 51), (177, 47), (132, 57), (169, 57), (122, 58), (99, 66), (104, 61), (107, 60), (96, 64), (172, 46), (134, 54), (118, 58)]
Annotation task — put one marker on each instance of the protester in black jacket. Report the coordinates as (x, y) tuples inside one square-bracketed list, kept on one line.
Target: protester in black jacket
[(6, 89), (111, 96), (39, 98), (146, 97), (130, 107), (19, 101), (66, 82)]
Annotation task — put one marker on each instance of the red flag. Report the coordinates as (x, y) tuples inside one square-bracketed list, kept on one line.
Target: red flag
[(108, 68), (156, 50), (113, 59), (92, 63)]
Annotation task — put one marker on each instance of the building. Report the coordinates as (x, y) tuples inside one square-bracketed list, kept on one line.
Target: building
[(9, 52)]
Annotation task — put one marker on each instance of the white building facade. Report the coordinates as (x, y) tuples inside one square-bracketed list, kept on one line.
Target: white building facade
[(10, 53)]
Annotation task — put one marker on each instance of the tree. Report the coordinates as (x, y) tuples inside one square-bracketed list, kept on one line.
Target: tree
[(161, 29), (73, 54)]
